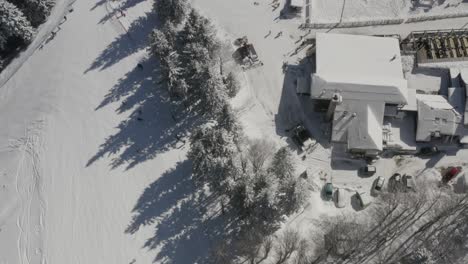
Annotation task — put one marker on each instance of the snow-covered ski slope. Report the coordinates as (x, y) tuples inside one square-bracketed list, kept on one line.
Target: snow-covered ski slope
[(82, 179), (76, 165)]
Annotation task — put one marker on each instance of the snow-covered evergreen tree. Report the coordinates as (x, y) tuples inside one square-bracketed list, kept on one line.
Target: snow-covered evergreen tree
[(13, 23), (162, 41), (228, 121), (232, 84), (212, 95), (211, 150), (292, 190), (36, 11), (197, 68), (282, 165), (3, 39), (198, 29), (171, 10)]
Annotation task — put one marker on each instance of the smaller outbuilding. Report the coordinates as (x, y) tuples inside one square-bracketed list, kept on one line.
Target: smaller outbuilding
[(438, 119)]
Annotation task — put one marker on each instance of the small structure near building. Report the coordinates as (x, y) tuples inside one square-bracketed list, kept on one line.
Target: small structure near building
[(438, 119), (433, 46)]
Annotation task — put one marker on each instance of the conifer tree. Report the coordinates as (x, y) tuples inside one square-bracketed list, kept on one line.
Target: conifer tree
[(13, 24)]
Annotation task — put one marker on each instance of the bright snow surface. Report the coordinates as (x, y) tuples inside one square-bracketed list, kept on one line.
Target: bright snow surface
[(72, 164), (76, 166)]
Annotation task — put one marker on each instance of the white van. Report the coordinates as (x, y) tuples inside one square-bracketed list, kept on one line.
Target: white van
[(364, 199), (340, 198)]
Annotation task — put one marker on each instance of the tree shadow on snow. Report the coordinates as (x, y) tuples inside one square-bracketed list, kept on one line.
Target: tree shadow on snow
[(151, 127), (185, 229), (134, 40), (121, 6), (98, 4)]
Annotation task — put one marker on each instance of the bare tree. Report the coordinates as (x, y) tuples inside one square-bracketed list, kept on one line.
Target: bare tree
[(259, 152), (288, 243), (302, 256), (405, 226)]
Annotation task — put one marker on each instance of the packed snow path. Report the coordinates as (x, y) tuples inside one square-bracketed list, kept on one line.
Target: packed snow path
[(76, 161)]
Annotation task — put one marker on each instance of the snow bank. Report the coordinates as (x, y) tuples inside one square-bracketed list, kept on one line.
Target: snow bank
[(360, 13), (357, 23)]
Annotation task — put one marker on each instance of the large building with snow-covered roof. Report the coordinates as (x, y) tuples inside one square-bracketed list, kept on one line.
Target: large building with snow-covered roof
[(359, 67), (360, 76)]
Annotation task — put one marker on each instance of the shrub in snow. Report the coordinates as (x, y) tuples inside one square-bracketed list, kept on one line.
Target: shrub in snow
[(420, 256), (232, 84), (13, 24), (36, 11)]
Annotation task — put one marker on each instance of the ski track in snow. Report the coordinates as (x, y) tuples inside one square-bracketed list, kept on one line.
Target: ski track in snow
[(29, 190)]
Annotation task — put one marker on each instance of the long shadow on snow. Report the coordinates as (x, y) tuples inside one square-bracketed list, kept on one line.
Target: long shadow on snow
[(126, 44), (98, 3), (150, 128), (185, 229)]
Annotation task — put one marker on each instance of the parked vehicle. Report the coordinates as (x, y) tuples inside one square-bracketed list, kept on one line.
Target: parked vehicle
[(328, 191), (364, 199), (340, 198), (302, 137), (395, 182), (451, 173), (429, 151), (379, 183), (397, 177), (368, 170), (409, 183)]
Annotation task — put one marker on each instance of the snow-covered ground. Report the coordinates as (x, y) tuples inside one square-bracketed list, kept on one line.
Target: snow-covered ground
[(84, 181), (268, 104), (75, 163)]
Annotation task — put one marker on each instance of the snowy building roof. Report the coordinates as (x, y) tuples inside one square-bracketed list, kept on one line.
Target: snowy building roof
[(456, 97), (297, 3), (359, 67), (359, 125), (412, 103), (437, 117), (367, 73)]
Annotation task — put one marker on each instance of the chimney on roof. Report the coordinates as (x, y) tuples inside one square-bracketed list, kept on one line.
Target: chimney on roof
[(336, 100)]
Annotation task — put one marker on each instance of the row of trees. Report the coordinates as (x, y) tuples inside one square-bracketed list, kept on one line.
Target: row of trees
[(404, 228), (250, 178), (188, 52), (18, 20)]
